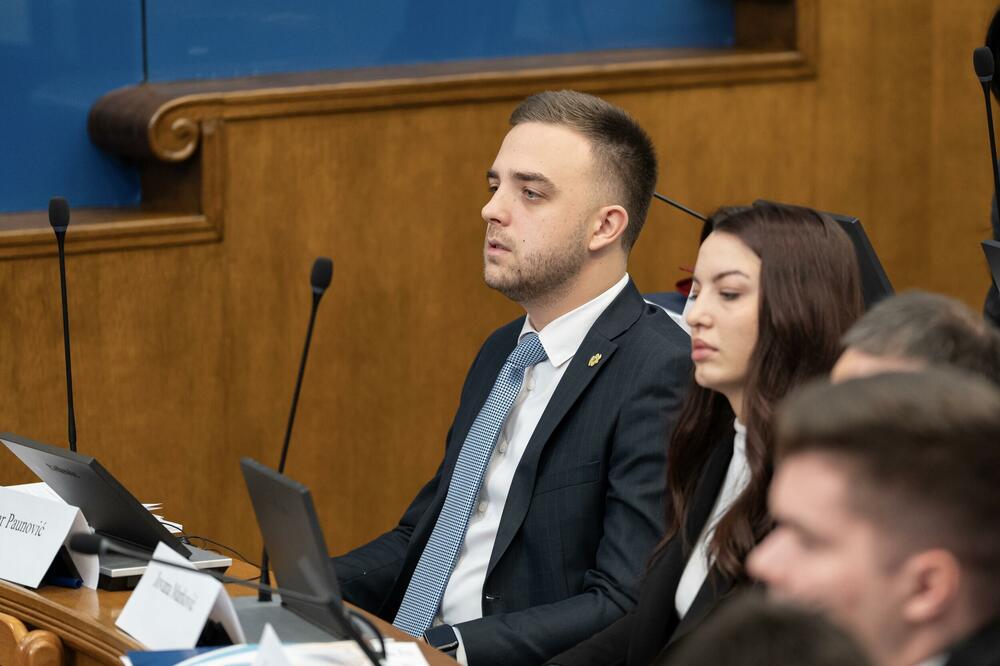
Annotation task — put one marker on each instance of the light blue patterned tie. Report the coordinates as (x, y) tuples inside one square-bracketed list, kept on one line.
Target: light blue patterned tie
[(423, 596)]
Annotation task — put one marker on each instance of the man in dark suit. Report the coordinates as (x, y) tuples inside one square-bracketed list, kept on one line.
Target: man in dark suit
[(549, 500), (885, 502)]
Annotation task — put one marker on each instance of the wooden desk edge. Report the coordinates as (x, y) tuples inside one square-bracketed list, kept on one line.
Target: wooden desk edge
[(92, 631), (80, 632)]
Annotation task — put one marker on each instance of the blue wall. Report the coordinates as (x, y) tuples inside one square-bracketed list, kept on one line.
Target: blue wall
[(57, 57), (198, 39)]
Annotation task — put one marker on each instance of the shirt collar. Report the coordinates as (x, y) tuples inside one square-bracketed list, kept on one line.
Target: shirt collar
[(740, 441), (564, 335), (938, 660)]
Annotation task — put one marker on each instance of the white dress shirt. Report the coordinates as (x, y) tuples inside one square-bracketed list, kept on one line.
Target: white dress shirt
[(696, 569), (463, 597), (939, 660)]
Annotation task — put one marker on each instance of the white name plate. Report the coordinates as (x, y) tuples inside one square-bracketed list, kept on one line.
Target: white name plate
[(32, 529), (269, 649), (169, 607)]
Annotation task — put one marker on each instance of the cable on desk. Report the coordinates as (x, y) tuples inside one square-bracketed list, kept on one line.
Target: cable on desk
[(352, 615), (204, 540)]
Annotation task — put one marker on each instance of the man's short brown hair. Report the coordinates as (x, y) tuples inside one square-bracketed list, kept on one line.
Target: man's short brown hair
[(922, 451), (928, 327), (621, 148)]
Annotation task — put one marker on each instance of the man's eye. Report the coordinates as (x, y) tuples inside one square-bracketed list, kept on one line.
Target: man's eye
[(531, 194), (492, 187)]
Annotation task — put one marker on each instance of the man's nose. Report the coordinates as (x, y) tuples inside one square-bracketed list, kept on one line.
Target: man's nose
[(496, 210), (763, 560)]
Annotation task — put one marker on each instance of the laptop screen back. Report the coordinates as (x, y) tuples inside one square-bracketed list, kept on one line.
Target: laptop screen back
[(294, 541), (82, 482)]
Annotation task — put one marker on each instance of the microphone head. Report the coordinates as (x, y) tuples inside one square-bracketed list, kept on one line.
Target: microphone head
[(322, 273), (59, 213), (88, 544), (982, 59)]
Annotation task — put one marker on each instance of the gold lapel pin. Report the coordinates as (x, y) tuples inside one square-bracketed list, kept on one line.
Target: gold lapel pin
[(594, 360)]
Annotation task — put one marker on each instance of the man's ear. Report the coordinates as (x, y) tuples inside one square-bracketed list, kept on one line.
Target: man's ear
[(932, 580), (608, 227)]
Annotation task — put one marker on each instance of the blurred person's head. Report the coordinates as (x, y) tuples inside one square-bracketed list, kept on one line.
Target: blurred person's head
[(774, 289), (753, 631), (915, 329), (886, 498)]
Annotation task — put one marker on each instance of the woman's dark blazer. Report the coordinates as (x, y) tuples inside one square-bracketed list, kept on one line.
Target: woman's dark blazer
[(642, 635), (980, 649)]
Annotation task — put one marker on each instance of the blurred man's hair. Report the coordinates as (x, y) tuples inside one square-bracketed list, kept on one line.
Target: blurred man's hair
[(922, 453), (928, 327), (752, 631)]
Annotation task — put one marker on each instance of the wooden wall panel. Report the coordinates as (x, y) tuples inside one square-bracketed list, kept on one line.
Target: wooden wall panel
[(406, 311), (901, 136), (186, 355)]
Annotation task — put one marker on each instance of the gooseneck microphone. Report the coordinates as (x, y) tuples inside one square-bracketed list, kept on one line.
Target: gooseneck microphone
[(59, 219), (95, 544), (322, 273), (680, 206), (982, 60)]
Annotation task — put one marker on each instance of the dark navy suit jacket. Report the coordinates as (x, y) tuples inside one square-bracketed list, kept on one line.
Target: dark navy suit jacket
[(585, 507), (647, 633)]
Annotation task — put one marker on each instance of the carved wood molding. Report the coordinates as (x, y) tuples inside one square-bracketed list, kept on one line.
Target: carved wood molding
[(102, 229), (79, 632), (776, 40), (175, 131), (162, 121), (183, 204), (40, 648)]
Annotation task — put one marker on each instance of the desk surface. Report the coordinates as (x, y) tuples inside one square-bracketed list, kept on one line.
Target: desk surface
[(85, 619)]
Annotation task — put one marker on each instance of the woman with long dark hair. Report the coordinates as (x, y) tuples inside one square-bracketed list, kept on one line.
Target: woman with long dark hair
[(775, 287)]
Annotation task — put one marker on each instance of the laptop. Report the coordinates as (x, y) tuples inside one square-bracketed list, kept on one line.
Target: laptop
[(992, 250), (875, 284), (301, 563), (112, 511)]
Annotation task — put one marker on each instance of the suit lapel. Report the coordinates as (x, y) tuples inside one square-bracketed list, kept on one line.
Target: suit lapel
[(660, 618), (983, 647), (713, 590), (486, 377), (709, 487), (623, 312), (481, 379), (472, 403), (716, 585)]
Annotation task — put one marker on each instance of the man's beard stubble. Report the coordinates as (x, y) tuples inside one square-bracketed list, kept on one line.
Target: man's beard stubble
[(540, 277)]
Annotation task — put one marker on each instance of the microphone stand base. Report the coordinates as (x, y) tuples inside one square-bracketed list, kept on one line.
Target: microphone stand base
[(290, 627)]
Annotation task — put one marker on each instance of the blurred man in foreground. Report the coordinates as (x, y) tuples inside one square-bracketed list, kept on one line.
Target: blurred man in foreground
[(886, 499)]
